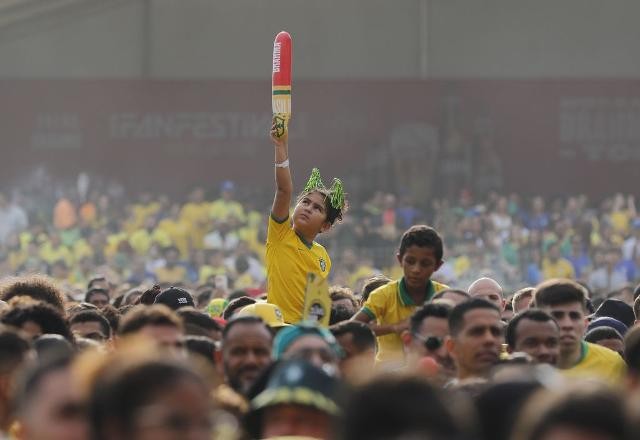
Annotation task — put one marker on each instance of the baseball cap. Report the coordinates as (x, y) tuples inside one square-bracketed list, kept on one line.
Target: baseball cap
[(216, 307), (270, 313), (175, 298), (614, 308), (295, 382)]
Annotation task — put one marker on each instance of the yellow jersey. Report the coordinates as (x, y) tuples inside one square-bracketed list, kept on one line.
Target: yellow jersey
[(598, 362), (390, 304), (289, 259), (560, 269)]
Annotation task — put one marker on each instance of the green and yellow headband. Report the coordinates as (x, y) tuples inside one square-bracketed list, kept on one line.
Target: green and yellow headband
[(336, 192)]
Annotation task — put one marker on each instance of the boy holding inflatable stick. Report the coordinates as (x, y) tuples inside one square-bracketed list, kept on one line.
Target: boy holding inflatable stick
[(292, 252)]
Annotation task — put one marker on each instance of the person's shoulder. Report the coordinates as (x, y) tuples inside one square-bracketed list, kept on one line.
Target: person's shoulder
[(607, 355), (388, 289)]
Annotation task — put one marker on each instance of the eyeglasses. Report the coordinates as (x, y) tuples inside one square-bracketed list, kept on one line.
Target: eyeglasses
[(431, 343)]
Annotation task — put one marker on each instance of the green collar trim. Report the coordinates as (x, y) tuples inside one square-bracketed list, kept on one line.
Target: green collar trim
[(305, 242), (405, 298), (584, 349)]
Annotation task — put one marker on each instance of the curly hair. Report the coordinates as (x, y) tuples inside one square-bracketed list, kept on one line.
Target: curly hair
[(38, 287), (48, 318)]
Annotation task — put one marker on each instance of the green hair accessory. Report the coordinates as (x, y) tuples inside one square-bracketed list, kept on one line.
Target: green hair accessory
[(336, 192), (314, 182)]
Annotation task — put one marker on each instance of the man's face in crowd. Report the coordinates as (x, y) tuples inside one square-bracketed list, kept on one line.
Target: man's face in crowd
[(90, 330), (476, 348), (356, 363), (539, 340), (295, 420), (313, 349), (55, 411), (489, 290), (246, 352), (572, 322), (429, 342), (99, 300), (345, 303), (167, 336)]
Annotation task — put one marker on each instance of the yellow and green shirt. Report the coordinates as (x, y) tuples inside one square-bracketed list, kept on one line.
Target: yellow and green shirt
[(390, 304), (289, 259), (598, 362)]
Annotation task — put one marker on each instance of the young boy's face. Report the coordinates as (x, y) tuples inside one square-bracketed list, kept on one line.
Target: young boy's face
[(418, 264), (310, 214)]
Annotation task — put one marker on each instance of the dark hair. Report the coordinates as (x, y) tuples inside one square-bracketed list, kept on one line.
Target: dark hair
[(95, 291), (91, 316), (201, 345), (339, 292), (636, 308), (31, 379), (13, 348), (148, 297), (38, 287), (46, 316), (372, 284), (632, 350), (142, 316), (599, 333), (421, 236), (436, 310), (339, 313), (589, 408), (531, 314), (197, 323), (120, 392), (244, 320), (236, 294), (236, 304), (113, 315), (456, 317), (363, 337), (95, 279), (443, 292), (333, 214), (559, 292), (398, 407)]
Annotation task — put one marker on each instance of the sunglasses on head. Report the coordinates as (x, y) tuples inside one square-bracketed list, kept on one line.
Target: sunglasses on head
[(431, 343)]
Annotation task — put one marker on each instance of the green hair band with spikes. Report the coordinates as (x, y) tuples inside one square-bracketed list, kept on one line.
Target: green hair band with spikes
[(314, 182), (336, 192)]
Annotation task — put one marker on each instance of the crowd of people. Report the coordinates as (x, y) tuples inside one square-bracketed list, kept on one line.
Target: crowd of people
[(156, 319), (71, 233)]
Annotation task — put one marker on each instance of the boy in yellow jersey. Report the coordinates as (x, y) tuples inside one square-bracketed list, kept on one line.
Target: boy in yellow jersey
[(388, 308), (292, 252), (565, 301)]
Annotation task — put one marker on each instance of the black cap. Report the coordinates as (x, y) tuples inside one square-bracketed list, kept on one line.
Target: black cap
[(175, 298), (614, 308)]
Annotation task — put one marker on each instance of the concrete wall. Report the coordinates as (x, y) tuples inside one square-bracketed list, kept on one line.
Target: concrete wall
[(332, 39)]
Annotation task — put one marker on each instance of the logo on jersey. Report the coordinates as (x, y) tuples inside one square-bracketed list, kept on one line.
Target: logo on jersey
[(323, 264)]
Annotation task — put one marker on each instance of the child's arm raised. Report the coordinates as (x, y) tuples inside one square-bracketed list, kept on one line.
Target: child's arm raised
[(284, 184)]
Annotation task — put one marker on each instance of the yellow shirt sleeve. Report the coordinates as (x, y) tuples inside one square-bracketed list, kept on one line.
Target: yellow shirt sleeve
[(277, 232), (376, 304)]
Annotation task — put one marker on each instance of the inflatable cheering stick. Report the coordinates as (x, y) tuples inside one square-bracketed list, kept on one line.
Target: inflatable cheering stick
[(281, 82)]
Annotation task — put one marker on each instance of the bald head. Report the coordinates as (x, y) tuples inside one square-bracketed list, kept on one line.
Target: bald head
[(488, 289)]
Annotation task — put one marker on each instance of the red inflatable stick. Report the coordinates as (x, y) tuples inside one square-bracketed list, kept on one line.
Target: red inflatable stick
[(281, 82)]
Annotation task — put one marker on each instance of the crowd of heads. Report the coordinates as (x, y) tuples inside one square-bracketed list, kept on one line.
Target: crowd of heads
[(509, 320)]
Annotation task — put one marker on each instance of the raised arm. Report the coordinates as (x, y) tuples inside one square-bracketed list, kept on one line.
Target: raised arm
[(284, 184)]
